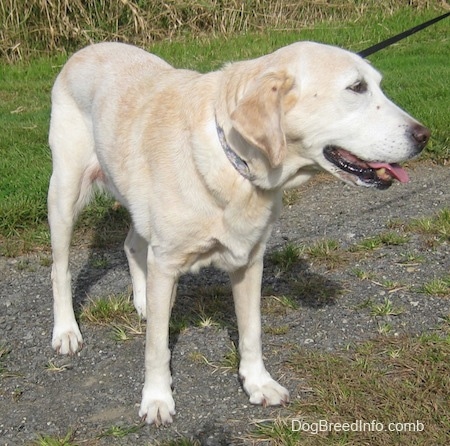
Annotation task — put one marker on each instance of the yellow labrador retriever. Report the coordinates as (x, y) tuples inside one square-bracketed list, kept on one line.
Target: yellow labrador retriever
[(200, 162)]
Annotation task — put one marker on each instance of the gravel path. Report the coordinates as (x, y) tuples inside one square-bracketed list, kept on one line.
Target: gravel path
[(100, 387)]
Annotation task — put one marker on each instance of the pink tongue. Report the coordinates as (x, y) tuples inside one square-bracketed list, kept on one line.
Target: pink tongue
[(394, 169)]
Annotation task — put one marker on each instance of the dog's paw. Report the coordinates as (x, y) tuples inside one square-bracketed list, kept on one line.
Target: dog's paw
[(265, 391), (157, 408), (140, 305), (68, 341)]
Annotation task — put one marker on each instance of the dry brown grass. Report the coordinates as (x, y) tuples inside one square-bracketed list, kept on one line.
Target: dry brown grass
[(32, 27)]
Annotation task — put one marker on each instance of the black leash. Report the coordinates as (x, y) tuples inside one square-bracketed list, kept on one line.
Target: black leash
[(404, 34)]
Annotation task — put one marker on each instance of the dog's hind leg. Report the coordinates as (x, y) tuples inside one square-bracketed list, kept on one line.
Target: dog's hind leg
[(136, 249), (75, 168)]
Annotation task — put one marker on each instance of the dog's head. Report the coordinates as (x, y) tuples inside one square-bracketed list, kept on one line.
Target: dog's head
[(314, 104)]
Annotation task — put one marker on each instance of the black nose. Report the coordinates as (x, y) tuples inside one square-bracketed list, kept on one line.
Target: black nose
[(421, 135)]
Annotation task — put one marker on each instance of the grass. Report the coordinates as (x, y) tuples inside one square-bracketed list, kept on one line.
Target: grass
[(286, 257), (387, 380), (107, 310), (4, 352), (25, 102), (386, 308), (117, 312), (437, 287), (37, 27), (385, 239), (327, 252), (46, 440), (121, 431), (437, 225)]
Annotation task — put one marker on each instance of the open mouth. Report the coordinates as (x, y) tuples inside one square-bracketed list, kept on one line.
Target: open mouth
[(365, 173)]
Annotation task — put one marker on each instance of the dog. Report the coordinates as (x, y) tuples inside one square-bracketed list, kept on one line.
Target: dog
[(200, 162)]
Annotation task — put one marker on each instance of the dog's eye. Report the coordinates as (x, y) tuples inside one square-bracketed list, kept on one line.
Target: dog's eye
[(358, 87)]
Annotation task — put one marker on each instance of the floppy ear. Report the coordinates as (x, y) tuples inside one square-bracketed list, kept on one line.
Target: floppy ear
[(258, 115)]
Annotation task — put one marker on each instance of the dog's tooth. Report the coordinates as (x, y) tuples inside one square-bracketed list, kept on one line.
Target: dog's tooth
[(381, 172)]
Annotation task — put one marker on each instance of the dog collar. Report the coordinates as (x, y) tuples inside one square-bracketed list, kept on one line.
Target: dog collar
[(238, 163)]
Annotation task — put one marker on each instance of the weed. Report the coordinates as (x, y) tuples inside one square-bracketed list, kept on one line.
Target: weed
[(99, 262), (207, 321), (107, 310), (286, 257), (393, 239), (378, 241), (384, 328), (277, 432), (276, 330), (290, 197), (326, 251), (46, 440), (278, 305), (368, 244), (120, 334), (437, 287), (197, 357), (388, 379), (231, 359), (364, 304), (45, 261), (446, 322), (179, 442), (116, 311), (391, 285), (4, 352), (179, 322), (362, 274), (121, 431), (52, 367), (394, 353), (26, 265), (386, 308), (437, 225), (17, 394), (411, 259)]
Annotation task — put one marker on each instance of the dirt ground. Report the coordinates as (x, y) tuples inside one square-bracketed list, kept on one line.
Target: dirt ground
[(100, 388)]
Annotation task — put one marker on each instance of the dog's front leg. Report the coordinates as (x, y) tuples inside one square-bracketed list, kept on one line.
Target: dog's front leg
[(157, 404), (257, 382)]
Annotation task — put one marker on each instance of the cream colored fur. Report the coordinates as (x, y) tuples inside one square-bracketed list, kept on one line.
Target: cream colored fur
[(123, 118)]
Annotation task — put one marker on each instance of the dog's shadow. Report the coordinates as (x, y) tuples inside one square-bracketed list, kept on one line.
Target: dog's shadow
[(203, 299)]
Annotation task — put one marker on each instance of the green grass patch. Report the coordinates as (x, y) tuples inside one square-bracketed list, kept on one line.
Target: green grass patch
[(121, 431), (385, 239), (386, 380), (116, 312), (437, 287), (278, 305), (327, 252), (286, 257), (107, 310), (25, 166), (48, 440), (437, 225), (386, 308)]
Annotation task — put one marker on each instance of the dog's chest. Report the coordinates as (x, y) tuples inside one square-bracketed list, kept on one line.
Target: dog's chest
[(235, 238)]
